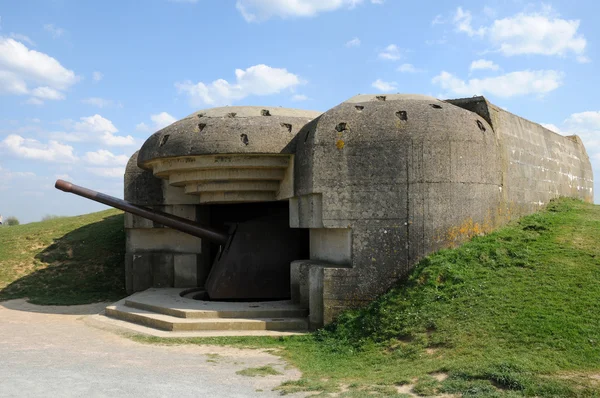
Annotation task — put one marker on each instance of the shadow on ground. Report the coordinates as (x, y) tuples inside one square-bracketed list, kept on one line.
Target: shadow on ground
[(85, 265)]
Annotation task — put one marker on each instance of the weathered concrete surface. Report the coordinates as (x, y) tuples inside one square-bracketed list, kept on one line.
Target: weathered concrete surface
[(157, 256), (50, 351), (537, 164), (409, 175), (232, 129)]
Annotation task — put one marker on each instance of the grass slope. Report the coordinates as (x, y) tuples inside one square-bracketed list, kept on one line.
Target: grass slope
[(513, 313), (64, 261)]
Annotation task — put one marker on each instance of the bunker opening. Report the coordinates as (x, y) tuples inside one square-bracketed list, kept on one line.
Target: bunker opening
[(250, 245)]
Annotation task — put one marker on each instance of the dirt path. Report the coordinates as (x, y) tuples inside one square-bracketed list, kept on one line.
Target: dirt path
[(50, 351)]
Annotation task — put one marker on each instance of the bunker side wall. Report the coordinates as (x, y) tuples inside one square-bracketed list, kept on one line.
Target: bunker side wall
[(157, 256)]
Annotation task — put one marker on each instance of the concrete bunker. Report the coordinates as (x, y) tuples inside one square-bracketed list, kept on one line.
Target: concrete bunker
[(345, 202), (229, 167)]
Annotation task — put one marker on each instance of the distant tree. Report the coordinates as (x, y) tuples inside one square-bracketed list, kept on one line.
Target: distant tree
[(12, 221)]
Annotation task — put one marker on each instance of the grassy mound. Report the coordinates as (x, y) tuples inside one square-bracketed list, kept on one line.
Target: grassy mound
[(513, 313), (64, 261)]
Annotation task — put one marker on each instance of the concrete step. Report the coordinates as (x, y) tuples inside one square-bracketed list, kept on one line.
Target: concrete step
[(123, 312), (169, 302)]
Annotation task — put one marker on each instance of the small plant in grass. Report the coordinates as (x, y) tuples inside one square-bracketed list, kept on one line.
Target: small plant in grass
[(261, 371)]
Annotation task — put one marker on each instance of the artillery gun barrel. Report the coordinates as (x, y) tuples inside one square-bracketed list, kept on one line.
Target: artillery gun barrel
[(169, 220)]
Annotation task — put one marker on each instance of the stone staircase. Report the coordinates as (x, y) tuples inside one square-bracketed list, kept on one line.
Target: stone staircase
[(173, 311)]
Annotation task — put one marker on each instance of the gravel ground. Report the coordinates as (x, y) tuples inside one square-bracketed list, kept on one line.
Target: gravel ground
[(49, 351)]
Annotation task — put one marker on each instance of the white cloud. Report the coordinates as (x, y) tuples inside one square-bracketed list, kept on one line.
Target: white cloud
[(299, 97), (20, 66), (97, 76), (541, 33), (95, 124), (261, 10), (94, 129), (384, 86), (55, 31), (508, 85), (32, 149), (65, 177), (143, 127), (355, 42), (584, 121), (47, 93), (408, 68), (110, 172), (117, 140), (483, 64), (8, 175), (391, 52), (98, 102), (102, 157), (34, 101), (10, 83), (162, 120), (463, 19), (159, 121), (22, 38), (537, 34), (551, 127), (256, 80)]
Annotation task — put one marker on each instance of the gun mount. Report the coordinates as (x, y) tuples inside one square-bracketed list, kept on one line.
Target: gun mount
[(250, 257)]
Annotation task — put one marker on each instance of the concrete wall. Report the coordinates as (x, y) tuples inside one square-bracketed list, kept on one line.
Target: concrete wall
[(409, 175), (157, 256)]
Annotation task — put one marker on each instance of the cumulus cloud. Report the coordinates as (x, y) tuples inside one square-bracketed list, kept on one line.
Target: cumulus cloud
[(509, 85), (159, 121), (541, 33), (95, 124), (28, 148), (47, 93), (21, 67), (261, 10), (483, 64), (22, 38), (384, 86), (355, 42), (93, 129), (257, 80), (391, 52), (463, 22), (102, 157), (162, 120)]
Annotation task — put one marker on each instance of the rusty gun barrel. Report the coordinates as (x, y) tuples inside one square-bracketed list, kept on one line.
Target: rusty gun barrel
[(169, 220)]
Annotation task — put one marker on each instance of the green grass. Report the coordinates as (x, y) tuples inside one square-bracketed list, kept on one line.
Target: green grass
[(514, 313), (261, 371), (64, 261)]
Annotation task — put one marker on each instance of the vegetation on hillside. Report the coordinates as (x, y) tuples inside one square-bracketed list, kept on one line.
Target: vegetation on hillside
[(513, 313), (70, 260)]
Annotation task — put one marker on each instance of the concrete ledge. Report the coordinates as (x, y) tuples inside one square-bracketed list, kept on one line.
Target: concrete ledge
[(169, 323), (169, 302)]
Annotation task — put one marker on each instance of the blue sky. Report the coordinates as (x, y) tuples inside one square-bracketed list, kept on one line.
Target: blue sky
[(84, 83)]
